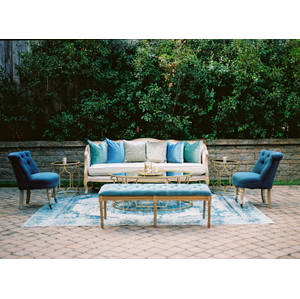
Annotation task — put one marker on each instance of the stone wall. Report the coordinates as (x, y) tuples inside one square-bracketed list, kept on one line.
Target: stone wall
[(245, 151)]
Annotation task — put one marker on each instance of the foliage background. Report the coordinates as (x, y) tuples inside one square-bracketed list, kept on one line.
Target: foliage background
[(181, 89)]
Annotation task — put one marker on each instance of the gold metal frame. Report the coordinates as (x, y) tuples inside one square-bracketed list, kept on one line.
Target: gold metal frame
[(220, 167), (70, 168)]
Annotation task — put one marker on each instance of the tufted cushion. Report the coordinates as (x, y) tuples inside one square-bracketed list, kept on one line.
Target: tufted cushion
[(154, 190)]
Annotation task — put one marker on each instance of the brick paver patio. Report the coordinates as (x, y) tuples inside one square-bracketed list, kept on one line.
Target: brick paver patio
[(280, 240)]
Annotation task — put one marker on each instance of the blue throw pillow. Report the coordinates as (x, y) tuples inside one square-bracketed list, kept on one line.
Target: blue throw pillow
[(98, 152), (115, 151), (192, 152), (175, 152)]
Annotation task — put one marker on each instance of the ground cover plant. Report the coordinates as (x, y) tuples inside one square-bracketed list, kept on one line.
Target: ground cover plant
[(181, 89)]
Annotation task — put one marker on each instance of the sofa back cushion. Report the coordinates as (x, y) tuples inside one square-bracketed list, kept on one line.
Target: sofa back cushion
[(135, 151), (192, 152), (115, 151), (156, 151), (175, 152), (98, 152)]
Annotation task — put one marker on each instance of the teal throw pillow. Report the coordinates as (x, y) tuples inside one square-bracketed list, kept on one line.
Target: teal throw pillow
[(192, 152), (98, 152), (175, 152), (115, 151)]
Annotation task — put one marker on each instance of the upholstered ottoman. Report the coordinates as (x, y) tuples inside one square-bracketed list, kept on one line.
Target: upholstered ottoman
[(154, 192)]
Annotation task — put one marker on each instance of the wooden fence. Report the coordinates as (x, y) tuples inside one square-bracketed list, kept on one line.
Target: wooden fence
[(9, 50)]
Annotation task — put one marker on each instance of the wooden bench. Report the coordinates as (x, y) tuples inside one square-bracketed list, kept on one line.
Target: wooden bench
[(154, 192)]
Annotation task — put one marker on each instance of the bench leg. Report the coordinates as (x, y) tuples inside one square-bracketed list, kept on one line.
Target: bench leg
[(105, 209), (209, 208), (204, 207), (154, 209), (101, 211)]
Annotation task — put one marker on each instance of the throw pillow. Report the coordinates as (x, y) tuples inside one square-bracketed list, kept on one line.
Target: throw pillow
[(156, 151), (98, 152), (115, 151), (192, 152), (135, 151), (175, 152)]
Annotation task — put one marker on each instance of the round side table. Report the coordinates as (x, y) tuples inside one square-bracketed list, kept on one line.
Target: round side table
[(69, 177), (224, 170)]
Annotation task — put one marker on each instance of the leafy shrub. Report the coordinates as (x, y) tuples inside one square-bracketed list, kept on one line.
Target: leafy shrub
[(181, 89)]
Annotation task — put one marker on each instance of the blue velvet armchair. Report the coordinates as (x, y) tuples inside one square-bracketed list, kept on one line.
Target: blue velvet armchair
[(29, 177), (261, 177)]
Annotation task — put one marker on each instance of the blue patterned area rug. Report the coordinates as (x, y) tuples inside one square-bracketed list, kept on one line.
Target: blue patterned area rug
[(84, 210)]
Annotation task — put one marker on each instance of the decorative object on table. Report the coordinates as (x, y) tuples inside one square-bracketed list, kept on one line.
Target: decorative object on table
[(147, 167), (222, 171), (29, 177), (69, 177), (64, 160), (195, 159), (261, 177), (83, 210)]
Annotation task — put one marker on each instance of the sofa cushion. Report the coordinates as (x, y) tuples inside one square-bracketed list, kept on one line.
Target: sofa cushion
[(156, 151), (98, 152), (115, 151), (192, 152), (175, 152), (106, 169), (135, 151)]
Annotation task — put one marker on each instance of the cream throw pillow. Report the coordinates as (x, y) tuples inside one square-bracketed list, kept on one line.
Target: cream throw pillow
[(135, 151), (156, 151)]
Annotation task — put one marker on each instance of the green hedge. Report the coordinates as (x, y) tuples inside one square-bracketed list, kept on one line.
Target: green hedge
[(182, 89)]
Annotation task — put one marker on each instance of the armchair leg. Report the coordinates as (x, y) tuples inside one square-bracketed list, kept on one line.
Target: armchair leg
[(49, 197), (28, 197), (242, 196), (263, 195), (21, 199), (236, 193), (269, 198), (55, 194)]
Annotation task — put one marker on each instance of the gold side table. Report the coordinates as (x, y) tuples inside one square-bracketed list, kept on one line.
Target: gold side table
[(70, 172), (223, 170)]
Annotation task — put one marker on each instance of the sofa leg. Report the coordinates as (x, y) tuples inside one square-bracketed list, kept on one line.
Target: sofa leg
[(236, 193), (85, 187), (28, 196), (49, 197), (269, 198), (263, 195), (21, 199), (242, 196)]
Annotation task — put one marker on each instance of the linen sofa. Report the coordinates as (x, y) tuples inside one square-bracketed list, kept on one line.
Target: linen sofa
[(104, 157)]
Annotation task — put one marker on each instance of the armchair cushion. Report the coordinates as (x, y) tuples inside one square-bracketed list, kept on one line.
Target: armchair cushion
[(247, 180), (44, 180)]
